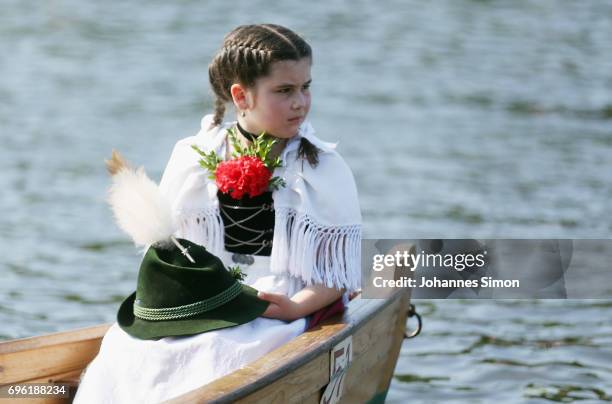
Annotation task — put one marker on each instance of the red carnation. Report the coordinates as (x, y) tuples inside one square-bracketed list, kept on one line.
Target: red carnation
[(244, 175)]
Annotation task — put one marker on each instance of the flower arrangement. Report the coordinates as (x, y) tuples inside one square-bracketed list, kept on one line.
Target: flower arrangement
[(249, 172)]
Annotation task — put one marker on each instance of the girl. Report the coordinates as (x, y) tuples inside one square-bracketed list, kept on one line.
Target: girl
[(306, 256)]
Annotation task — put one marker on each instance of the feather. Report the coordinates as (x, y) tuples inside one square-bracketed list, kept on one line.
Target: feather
[(116, 163), (139, 207)]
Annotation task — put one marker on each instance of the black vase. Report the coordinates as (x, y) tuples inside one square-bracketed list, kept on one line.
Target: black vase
[(248, 222)]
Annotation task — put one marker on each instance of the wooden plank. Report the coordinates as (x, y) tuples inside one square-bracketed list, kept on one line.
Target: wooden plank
[(396, 348), (296, 387), (374, 372), (36, 358), (59, 338), (72, 378), (366, 373)]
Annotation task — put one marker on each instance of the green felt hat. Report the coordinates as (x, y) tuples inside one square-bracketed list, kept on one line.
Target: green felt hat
[(176, 297)]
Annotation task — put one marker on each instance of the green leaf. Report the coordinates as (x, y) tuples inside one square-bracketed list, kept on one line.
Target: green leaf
[(276, 183), (237, 273), (209, 161)]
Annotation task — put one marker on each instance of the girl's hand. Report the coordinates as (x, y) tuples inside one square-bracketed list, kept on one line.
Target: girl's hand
[(281, 307)]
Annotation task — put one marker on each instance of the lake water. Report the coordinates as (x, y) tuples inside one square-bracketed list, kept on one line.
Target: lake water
[(476, 119)]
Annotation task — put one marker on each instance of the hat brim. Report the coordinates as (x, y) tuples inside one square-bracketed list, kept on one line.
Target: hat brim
[(244, 308)]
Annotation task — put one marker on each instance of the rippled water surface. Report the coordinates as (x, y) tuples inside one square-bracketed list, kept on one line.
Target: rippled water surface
[(476, 119)]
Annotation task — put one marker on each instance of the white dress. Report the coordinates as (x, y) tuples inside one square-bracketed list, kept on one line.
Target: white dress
[(130, 370)]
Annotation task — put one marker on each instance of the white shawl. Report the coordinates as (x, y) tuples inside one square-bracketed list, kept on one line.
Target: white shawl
[(317, 233)]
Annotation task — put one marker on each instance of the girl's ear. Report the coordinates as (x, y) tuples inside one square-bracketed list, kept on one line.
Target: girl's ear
[(239, 96)]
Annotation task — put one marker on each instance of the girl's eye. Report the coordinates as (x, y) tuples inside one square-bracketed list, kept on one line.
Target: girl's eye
[(289, 90)]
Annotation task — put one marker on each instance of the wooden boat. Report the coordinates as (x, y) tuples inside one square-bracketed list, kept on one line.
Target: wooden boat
[(362, 345)]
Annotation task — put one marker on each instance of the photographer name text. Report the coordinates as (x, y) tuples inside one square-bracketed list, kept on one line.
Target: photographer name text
[(483, 282)]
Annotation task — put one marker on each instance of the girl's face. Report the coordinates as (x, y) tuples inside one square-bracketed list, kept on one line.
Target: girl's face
[(279, 102)]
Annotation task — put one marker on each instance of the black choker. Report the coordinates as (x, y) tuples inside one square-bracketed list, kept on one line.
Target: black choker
[(250, 136)]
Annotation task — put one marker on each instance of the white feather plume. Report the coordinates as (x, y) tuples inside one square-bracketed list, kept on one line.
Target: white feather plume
[(139, 207)]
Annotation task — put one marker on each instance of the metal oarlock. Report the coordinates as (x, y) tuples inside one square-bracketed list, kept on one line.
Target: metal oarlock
[(412, 312), (183, 249)]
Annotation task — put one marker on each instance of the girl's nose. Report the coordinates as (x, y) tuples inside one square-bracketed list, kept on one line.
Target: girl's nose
[(299, 101)]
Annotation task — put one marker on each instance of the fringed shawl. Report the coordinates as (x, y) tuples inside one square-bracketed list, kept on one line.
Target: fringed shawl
[(317, 234)]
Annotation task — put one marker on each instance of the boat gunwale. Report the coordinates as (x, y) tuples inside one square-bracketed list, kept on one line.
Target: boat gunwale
[(77, 335)]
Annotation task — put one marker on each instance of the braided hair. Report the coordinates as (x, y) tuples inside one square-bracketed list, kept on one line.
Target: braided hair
[(247, 54)]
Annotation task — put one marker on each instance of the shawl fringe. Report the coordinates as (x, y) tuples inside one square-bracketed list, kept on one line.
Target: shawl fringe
[(328, 255), (205, 225), (316, 254)]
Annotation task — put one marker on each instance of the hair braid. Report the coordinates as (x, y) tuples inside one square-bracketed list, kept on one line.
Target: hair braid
[(219, 112), (308, 151)]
